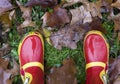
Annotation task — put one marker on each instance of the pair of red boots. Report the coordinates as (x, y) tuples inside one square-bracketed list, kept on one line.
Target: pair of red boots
[(31, 58)]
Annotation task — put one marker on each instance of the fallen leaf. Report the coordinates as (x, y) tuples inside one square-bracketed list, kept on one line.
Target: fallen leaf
[(6, 74), (64, 74), (80, 14), (67, 36), (5, 5), (86, 12), (106, 6), (94, 8), (59, 17), (6, 20), (45, 18), (27, 16), (43, 3), (1, 35), (116, 4), (71, 2), (12, 15), (117, 81), (15, 70), (116, 19), (4, 63), (117, 28), (114, 71), (96, 24), (4, 50)]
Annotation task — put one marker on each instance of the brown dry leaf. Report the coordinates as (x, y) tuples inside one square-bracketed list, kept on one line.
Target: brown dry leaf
[(5, 5), (94, 8), (1, 36), (4, 63), (114, 71), (6, 20), (80, 14), (27, 16), (7, 75), (67, 36), (96, 24), (12, 15), (116, 19), (64, 74), (117, 27), (106, 6), (4, 50), (43, 3), (116, 4), (117, 81), (71, 2), (86, 12), (59, 17), (15, 70)]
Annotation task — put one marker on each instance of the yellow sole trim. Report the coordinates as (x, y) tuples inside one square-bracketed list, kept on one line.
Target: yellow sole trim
[(33, 64), (93, 64)]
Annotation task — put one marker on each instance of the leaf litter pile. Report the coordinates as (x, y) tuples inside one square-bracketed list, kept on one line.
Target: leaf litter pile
[(63, 24)]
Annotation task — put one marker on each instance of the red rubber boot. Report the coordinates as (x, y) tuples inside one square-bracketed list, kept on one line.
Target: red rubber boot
[(31, 58), (96, 52)]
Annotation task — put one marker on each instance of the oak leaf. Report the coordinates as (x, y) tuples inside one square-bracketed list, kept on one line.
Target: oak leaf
[(64, 74)]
